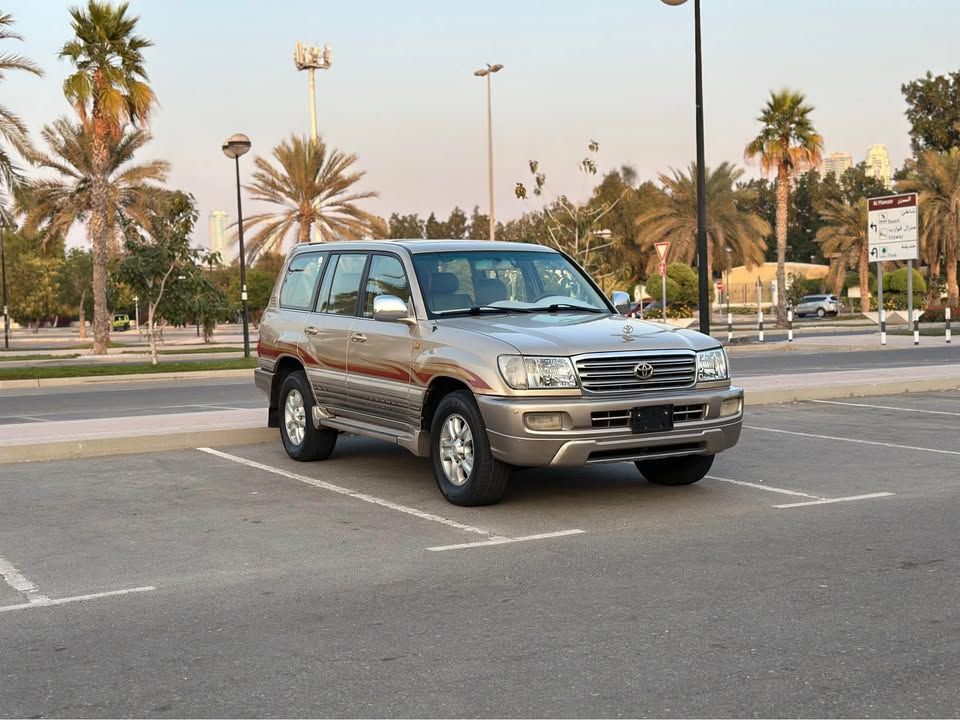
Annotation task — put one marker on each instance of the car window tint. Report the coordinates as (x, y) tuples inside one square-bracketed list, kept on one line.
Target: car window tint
[(300, 281), (385, 277), (345, 285)]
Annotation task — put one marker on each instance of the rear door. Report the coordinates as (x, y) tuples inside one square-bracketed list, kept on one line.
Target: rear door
[(327, 326)]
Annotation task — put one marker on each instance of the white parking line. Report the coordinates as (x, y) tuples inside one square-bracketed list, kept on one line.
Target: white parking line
[(886, 407), (48, 602), (768, 488), (827, 501), (854, 440), (19, 583), (505, 541)]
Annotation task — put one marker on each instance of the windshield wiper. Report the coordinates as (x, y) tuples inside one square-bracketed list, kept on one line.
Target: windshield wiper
[(477, 309), (556, 307)]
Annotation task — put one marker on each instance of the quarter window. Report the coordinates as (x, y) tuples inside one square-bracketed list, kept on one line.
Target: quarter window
[(385, 277), (300, 281), (345, 286)]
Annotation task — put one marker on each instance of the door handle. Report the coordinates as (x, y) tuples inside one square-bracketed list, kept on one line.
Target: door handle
[(358, 337), (311, 330)]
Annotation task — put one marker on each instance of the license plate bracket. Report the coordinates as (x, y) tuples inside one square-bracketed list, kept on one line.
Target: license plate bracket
[(651, 418)]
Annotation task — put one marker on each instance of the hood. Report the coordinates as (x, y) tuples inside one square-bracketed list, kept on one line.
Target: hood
[(571, 333)]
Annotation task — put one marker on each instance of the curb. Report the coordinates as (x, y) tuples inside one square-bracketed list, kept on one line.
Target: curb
[(779, 396), (128, 445), (108, 379)]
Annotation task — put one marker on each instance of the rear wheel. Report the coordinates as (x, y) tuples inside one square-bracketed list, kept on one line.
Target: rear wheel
[(301, 439), (821, 312), (676, 471), (463, 466)]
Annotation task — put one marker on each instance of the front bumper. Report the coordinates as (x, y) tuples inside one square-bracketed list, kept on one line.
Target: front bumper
[(581, 443)]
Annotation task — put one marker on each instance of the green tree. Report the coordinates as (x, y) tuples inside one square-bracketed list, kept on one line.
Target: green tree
[(673, 218), (76, 276), (34, 289), (933, 111), (435, 230), (787, 144), (936, 179), (313, 185), (109, 91), (12, 129), (845, 233), (683, 290), (406, 227), (457, 224)]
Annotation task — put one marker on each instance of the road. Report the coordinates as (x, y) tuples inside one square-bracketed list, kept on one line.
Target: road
[(815, 573), (148, 398)]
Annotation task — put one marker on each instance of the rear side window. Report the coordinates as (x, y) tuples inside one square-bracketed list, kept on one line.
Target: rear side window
[(300, 281), (345, 286)]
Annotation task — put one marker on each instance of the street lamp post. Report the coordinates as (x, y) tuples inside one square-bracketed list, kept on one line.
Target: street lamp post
[(3, 272), (233, 148), (488, 72), (704, 283), (726, 284)]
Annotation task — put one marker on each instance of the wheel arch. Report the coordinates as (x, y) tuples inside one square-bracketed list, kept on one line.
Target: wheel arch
[(285, 365), (438, 389)]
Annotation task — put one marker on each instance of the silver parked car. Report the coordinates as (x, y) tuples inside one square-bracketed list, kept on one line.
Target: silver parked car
[(819, 305), (485, 356)]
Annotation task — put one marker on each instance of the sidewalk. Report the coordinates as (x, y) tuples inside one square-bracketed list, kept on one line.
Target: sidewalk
[(123, 435)]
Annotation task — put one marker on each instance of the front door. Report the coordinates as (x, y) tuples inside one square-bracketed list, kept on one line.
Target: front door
[(379, 354)]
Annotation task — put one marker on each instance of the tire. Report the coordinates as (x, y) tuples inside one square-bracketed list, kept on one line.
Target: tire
[(302, 441), (467, 473), (676, 471), (821, 312)]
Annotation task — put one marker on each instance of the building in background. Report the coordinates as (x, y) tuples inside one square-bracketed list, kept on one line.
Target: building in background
[(878, 164), (218, 234), (837, 163)]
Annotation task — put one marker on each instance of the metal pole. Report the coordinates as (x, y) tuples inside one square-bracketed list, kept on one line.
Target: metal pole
[(663, 292), (759, 311), (790, 323), (313, 105), (946, 329), (243, 266), (882, 312), (490, 148), (910, 320), (702, 261), (3, 271)]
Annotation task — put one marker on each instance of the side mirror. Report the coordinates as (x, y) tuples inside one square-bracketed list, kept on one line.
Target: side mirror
[(621, 301), (390, 308)]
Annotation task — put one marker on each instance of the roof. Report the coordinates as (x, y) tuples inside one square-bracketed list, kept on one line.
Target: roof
[(426, 246)]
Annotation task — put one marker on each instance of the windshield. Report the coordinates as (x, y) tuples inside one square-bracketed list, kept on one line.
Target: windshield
[(514, 281)]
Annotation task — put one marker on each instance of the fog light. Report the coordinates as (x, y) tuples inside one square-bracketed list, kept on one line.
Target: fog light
[(544, 421), (730, 407)]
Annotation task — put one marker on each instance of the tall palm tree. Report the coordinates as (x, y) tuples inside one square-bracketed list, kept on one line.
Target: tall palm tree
[(12, 129), (130, 193), (313, 185), (109, 91), (673, 217), (845, 233), (788, 144), (936, 178)]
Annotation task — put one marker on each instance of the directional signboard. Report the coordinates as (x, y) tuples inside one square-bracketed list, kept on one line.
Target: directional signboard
[(892, 227)]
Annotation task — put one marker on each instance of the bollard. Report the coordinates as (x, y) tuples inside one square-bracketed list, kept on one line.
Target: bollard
[(729, 328), (946, 316), (916, 332), (883, 326), (760, 323), (790, 324)]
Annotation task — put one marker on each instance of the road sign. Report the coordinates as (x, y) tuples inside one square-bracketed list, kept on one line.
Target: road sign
[(662, 248), (892, 227)]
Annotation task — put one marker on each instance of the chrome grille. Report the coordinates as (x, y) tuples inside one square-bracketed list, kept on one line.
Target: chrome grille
[(614, 372), (621, 418), (688, 413)]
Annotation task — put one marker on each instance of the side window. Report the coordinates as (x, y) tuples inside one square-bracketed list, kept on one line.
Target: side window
[(345, 286), (300, 281), (385, 277)]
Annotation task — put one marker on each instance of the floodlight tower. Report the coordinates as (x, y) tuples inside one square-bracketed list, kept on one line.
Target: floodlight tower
[(310, 59)]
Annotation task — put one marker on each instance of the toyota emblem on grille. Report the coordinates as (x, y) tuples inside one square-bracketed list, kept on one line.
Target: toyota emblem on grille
[(644, 371), (628, 329)]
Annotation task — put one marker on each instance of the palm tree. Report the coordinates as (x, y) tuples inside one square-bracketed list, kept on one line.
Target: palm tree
[(936, 178), (108, 91), (673, 218), (788, 144), (845, 233), (12, 129), (313, 186), (129, 192)]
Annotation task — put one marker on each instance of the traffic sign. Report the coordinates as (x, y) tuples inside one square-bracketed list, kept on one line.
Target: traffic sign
[(892, 227), (662, 248)]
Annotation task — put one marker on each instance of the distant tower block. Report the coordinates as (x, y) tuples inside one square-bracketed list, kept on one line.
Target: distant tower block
[(218, 233), (878, 164)]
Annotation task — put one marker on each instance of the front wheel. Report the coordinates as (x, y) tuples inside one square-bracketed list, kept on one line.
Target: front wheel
[(301, 439), (463, 466), (676, 471)]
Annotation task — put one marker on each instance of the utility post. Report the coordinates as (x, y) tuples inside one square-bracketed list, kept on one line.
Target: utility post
[(310, 58)]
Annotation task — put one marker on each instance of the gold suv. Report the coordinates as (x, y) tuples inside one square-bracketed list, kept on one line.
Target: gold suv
[(485, 356)]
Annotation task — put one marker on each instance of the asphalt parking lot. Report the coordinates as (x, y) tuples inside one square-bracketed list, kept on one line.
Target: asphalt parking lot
[(814, 573)]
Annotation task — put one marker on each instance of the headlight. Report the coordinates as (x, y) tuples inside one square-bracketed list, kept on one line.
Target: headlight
[(712, 365), (537, 373)]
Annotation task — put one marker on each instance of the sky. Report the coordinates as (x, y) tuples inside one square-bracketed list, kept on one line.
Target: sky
[(401, 93)]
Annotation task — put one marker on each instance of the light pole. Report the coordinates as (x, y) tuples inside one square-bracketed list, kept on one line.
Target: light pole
[(233, 148), (488, 72), (312, 59), (701, 176), (726, 285), (3, 272)]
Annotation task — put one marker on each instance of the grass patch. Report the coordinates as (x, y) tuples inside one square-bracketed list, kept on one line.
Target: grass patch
[(67, 371), (14, 358), (185, 351)]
